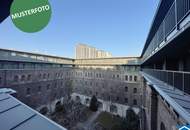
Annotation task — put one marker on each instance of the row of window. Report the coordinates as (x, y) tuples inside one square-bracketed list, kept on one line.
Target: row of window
[(99, 75), (131, 78), (134, 101), (134, 89), (60, 75), (28, 90), (23, 78), (40, 76)]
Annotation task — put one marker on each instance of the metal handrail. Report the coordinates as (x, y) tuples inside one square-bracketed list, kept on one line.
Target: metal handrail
[(176, 13), (169, 71), (178, 79)]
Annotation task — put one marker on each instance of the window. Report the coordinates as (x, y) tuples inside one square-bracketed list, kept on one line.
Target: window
[(113, 108), (135, 78), (117, 98), (113, 76), (126, 77), (48, 87), (44, 76), (40, 76), (55, 85), (126, 89), (135, 90), (39, 88), (134, 102), (87, 101), (48, 75), (22, 77), (56, 75), (100, 75), (62, 83), (28, 91), (117, 76), (0, 80), (126, 100), (16, 78), (29, 77), (130, 78)]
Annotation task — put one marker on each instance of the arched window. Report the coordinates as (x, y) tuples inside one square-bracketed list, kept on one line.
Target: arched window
[(78, 99), (87, 101), (22, 77), (29, 77), (113, 108), (162, 126), (16, 78)]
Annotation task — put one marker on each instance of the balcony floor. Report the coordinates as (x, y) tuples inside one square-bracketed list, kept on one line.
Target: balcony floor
[(176, 98)]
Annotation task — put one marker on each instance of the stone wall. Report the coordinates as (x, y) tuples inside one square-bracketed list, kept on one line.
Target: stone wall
[(44, 87)]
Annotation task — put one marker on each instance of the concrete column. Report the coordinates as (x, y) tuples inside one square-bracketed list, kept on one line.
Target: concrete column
[(164, 65), (181, 65)]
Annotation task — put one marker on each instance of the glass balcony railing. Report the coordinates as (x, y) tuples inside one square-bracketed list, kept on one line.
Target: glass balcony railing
[(178, 79)]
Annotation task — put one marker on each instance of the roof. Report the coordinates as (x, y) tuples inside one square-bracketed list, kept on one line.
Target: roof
[(34, 53), (176, 98), (14, 115)]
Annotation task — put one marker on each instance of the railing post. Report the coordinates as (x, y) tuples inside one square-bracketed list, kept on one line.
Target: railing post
[(164, 25), (176, 18), (173, 80), (183, 84), (166, 77)]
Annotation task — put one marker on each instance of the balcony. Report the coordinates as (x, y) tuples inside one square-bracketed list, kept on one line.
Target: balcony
[(177, 79), (175, 96), (175, 21)]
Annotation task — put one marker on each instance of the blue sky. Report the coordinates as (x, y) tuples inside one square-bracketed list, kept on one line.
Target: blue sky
[(118, 26)]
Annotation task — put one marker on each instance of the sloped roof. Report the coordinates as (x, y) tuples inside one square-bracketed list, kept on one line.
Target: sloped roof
[(14, 115)]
